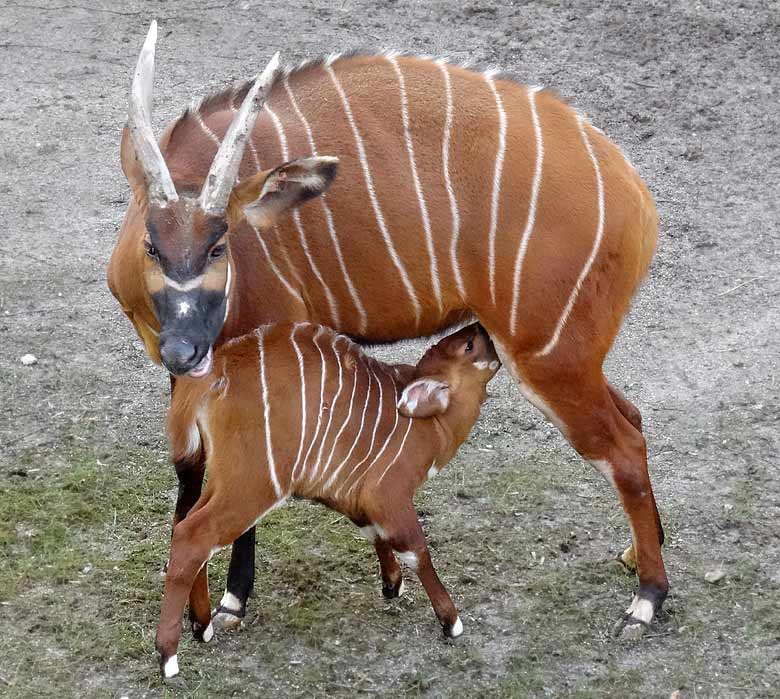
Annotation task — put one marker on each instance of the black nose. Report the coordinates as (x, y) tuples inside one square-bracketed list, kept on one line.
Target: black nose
[(177, 354)]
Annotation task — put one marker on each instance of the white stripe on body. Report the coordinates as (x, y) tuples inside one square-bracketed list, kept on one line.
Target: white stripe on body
[(499, 166), (380, 405), (529, 223), (346, 459), (315, 476), (435, 282), (399, 452), (299, 225), (344, 424), (445, 157), (372, 195), (594, 251), (387, 441), (266, 416), (302, 373), (277, 272), (363, 323), (205, 128), (320, 330)]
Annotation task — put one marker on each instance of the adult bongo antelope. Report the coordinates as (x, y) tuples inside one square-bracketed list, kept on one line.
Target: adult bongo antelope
[(297, 410), (459, 194)]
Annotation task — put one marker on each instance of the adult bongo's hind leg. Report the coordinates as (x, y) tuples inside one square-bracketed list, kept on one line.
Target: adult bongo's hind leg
[(581, 403), (632, 414), (240, 582)]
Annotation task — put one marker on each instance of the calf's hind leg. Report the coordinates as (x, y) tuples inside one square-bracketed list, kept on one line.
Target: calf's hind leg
[(583, 405)]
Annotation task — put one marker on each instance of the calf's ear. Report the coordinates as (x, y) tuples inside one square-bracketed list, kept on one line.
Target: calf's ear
[(264, 197), (424, 398)]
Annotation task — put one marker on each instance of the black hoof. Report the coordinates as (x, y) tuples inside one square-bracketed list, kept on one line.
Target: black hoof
[(395, 591)]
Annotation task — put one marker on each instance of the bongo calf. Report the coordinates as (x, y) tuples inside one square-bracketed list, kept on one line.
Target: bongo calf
[(298, 410)]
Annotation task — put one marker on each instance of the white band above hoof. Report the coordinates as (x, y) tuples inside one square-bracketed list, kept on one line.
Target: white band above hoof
[(171, 667), (456, 629)]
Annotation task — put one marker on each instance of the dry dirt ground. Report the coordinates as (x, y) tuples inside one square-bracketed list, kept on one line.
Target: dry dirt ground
[(522, 531)]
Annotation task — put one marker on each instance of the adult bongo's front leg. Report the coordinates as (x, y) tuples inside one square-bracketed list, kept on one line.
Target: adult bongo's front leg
[(240, 582)]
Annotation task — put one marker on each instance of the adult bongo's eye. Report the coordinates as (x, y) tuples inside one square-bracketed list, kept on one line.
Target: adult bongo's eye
[(151, 250), (216, 252)]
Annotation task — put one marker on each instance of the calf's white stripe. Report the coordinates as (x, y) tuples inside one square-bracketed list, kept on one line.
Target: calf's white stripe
[(372, 194), (594, 251), (398, 453), (323, 370), (445, 158), (499, 166), (359, 434), (529, 223), (267, 418), (363, 323), (302, 373), (436, 284), (299, 225), (334, 403)]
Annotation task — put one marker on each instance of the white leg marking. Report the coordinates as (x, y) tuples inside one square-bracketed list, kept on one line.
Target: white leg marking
[(499, 166), (208, 633), (230, 602), (372, 195), (193, 438), (302, 374), (594, 251), (408, 558), (641, 609), (529, 223), (299, 224), (457, 628), (329, 216), (267, 418), (605, 469), (445, 157), (274, 268), (401, 588), (432, 471), (368, 532), (381, 532), (171, 667), (435, 282), (345, 461)]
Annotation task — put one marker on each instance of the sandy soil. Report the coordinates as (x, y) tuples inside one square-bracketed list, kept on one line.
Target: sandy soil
[(690, 91)]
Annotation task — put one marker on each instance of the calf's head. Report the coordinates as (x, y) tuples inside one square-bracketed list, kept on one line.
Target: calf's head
[(188, 269), (456, 369)]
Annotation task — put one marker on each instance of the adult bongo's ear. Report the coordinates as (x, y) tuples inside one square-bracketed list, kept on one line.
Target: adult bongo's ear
[(424, 398), (264, 197)]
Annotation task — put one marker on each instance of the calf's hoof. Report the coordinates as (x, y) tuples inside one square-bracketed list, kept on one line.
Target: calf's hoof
[(394, 591), (453, 630), (201, 633)]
